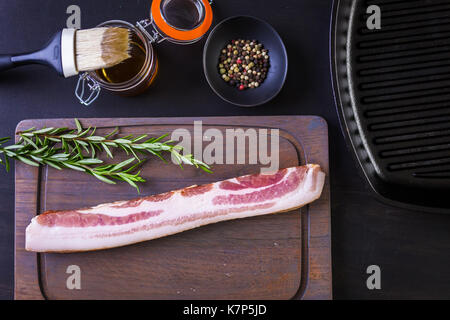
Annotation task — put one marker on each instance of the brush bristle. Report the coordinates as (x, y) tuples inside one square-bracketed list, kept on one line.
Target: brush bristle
[(100, 48)]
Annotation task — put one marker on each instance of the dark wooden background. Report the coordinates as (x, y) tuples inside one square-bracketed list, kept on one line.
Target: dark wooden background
[(410, 247)]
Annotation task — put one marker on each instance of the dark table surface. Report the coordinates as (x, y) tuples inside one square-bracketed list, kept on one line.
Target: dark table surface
[(411, 248)]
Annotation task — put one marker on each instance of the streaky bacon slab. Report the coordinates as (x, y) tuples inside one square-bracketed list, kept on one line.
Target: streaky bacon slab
[(127, 222)]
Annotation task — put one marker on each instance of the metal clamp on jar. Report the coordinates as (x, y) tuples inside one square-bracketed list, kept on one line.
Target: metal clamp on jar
[(177, 21)]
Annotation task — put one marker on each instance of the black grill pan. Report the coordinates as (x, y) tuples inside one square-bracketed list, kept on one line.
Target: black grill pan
[(392, 90)]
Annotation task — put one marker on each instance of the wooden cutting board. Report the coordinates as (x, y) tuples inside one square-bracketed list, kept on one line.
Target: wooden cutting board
[(283, 256)]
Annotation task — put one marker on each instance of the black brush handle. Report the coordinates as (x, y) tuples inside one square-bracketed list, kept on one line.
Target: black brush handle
[(50, 56), (6, 62)]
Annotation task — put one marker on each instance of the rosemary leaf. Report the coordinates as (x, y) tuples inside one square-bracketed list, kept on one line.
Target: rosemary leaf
[(122, 141), (45, 130), (78, 124), (51, 164), (107, 150), (7, 166), (69, 136), (14, 147), (112, 133), (89, 161), (74, 167), (37, 159), (28, 161), (123, 164), (96, 138), (102, 178), (29, 141)]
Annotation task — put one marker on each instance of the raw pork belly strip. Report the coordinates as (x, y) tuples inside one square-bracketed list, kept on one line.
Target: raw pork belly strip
[(123, 223)]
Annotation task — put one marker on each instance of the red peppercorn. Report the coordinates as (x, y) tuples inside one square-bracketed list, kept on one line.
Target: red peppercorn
[(239, 61), (241, 87)]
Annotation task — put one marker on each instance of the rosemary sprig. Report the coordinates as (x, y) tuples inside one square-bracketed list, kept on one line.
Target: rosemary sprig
[(77, 149)]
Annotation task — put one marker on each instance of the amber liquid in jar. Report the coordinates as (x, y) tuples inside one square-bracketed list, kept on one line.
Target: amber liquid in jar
[(134, 75)]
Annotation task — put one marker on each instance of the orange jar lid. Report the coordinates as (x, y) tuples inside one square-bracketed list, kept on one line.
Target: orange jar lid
[(182, 35)]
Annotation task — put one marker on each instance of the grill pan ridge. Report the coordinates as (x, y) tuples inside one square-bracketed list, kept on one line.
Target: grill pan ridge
[(392, 91)]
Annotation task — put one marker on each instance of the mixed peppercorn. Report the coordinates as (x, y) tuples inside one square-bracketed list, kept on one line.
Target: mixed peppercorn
[(244, 64)]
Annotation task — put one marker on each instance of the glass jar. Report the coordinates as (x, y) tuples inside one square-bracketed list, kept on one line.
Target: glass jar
[(177, 21)]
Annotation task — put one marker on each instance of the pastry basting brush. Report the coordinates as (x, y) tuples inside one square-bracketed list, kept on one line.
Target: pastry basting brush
[(71, 51)]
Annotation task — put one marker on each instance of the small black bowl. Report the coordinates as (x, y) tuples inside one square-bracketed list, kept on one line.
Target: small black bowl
[(248, 28)]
